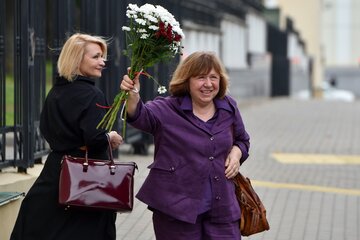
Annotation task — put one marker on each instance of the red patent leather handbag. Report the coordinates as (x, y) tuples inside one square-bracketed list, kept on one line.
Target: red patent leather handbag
[(97, 184)]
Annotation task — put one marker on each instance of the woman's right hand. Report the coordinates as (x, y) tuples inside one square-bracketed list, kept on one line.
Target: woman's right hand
[(130, 85), (133, 88)]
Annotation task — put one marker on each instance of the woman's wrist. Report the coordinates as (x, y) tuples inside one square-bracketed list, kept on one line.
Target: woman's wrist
[(134, 95), (238, 151), (135, 90)]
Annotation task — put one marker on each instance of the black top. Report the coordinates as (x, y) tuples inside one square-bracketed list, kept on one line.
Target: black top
[(68, 121), (70, 116)]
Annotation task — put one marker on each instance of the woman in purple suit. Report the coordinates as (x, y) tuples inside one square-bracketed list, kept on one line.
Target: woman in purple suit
[(200, 142)]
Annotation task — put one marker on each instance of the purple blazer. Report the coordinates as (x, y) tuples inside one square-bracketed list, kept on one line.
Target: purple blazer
[(187, 154)]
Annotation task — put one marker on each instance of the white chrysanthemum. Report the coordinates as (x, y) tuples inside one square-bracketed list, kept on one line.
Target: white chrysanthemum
[(153, 27), (174, 49), (165, 15), (133, 7), (144, 36), (150, 18), (179, 31), (125, 28), (134, 16), (147, 8), (130, 12), (141, 30), (161, 10), (140, 21), (165, 20), (162, 89)]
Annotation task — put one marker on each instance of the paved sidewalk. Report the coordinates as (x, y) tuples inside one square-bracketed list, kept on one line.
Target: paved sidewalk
[(304, 200)]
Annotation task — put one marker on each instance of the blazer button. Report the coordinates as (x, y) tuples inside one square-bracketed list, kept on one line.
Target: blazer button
[(211, 158), (212, 138), (172, 169), (217, 197), (217, 178)]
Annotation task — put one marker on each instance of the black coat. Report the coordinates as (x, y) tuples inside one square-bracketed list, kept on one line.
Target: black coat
[(68, 121)]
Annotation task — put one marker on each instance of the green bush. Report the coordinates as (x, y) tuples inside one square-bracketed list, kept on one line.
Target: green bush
[(9, 100), (9, 92)]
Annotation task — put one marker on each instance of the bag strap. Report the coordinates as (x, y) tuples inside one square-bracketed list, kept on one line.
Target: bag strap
[(110, 149), (112, 163)]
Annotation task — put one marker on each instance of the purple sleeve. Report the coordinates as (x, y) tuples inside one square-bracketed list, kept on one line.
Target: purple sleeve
[(241, 137), (145, 118)]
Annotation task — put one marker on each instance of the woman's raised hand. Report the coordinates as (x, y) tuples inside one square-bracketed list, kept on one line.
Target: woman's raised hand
[(128, 84), (133, 88)]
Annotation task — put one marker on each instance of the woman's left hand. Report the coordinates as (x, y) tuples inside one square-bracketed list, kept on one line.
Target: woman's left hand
[(232, 162)]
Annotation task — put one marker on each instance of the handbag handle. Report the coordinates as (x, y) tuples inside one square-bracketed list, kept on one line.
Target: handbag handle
[(112, 163)]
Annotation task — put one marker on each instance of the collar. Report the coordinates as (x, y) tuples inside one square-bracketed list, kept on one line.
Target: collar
[(85, 79), (63, 81)]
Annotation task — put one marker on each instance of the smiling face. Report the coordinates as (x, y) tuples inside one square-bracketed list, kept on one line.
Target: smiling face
[(204, 87), (202, 75), (93, 62)]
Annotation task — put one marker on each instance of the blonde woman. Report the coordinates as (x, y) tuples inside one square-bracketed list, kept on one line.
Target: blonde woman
[(68, 122)]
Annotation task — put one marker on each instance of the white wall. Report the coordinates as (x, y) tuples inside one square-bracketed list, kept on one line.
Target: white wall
[(256, 27), (200, 38), (296, 52), (233, 44), (341, 34)]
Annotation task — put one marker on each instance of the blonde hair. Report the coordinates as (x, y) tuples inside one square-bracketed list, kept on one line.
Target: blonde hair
[(72, 53), (196, 64)]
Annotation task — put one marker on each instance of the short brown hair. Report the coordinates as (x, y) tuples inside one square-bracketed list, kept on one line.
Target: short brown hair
[(72, 53), (196, 64)]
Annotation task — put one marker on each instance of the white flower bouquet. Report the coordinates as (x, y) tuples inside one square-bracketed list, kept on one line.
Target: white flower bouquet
[(153, 35)]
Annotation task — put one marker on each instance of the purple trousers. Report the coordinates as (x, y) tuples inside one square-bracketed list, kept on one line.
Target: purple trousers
[(169, 228)]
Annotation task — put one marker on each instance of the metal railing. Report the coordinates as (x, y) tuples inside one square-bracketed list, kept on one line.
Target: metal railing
[(39, 29)]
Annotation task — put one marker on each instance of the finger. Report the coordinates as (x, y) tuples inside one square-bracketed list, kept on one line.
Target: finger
[(227, 161), (127, 80), (125, 86), (116, 143), (229, 175), (127, 83), (228, 171), (231, 170), (136, 81), (113, 146)]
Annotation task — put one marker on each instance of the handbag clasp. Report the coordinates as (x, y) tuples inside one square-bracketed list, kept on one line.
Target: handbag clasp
[(112, 169), (85, 166)]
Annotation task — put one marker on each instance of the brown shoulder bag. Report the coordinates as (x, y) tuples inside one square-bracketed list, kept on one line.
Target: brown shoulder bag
[(253, 213)]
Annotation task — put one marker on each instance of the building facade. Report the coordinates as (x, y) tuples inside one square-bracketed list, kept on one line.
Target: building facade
[(341, 33)]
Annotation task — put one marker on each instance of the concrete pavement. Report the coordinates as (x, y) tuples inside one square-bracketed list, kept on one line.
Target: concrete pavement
[(305, 198)]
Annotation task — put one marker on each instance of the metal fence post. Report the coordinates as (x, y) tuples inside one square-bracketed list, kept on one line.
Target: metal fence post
[(2, 84), (62, 12), (21, 81), (29, 52)]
